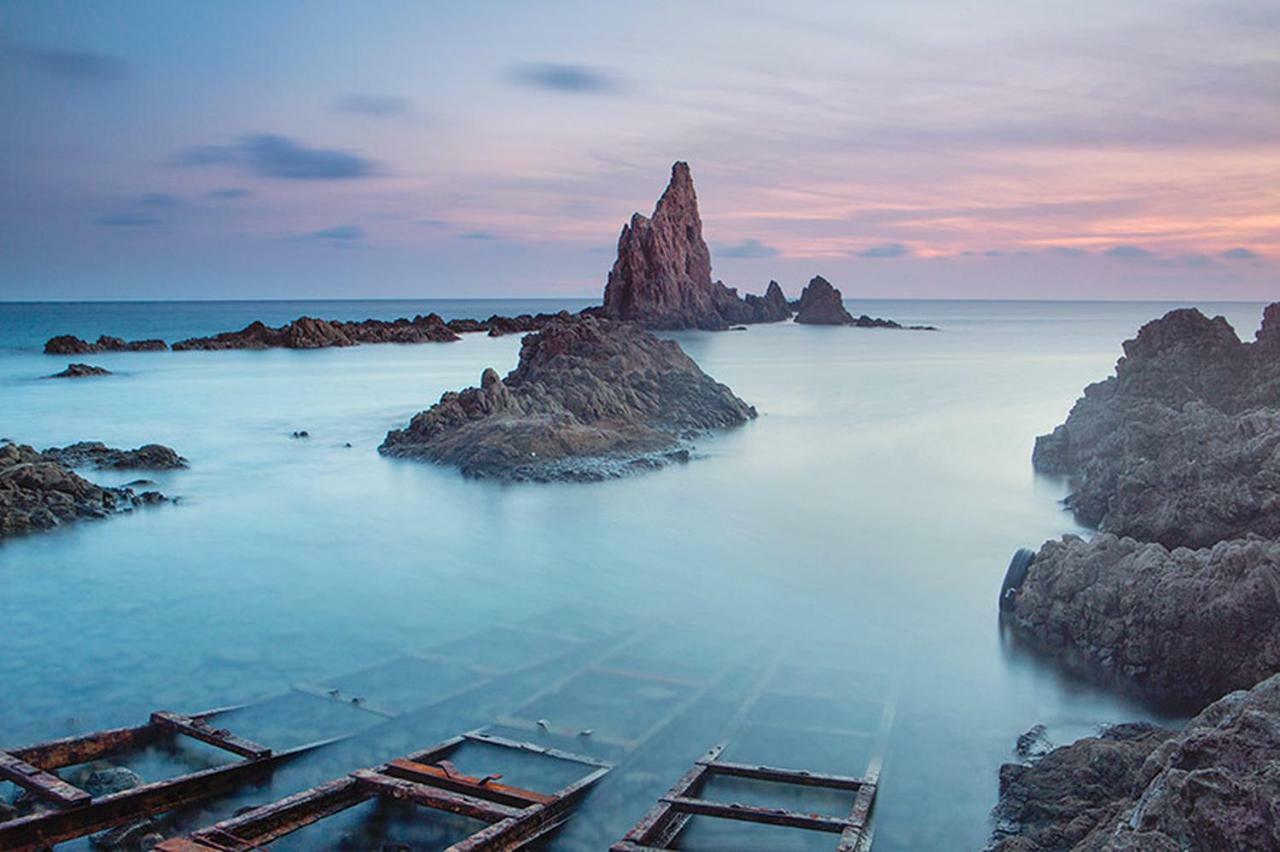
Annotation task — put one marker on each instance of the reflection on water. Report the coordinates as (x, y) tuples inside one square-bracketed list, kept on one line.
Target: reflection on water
[(853, 538)]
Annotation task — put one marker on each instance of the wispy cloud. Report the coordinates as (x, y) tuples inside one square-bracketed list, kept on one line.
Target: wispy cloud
[(1130, 254), (748, 248), (159, 199), (1240, 254), (273, 156), (73, 64), (339, 232), (569, 78), (378, 106), (230, 193), (127, 220), (477, 235), (885, 250)]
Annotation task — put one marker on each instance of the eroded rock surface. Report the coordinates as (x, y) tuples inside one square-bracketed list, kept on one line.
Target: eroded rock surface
[(1185, 625), (69, 344), (662, 275), (98, 455), (80, 371), (38, 493), (312, 333), (822, 304), (1213, 786), (1180, 445), (590, 399)]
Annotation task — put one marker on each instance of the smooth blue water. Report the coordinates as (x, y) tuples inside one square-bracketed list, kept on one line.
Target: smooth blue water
[(863, 522)]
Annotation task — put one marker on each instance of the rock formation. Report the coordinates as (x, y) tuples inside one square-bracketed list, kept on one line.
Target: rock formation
[(822, 304), (38, 492), (662, 276), (80, 371), (1211, 786), (98, 455), (1185, 626), (311, 333), (1179, 446), (67, 344), (589, 399)]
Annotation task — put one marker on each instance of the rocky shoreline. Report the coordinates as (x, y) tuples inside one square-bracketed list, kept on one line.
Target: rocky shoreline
[(590, 399), (39, 491)]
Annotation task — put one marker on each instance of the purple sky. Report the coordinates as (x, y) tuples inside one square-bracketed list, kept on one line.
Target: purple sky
[(272, 150)]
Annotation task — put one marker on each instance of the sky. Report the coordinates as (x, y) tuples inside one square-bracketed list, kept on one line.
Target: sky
[(159, 150)]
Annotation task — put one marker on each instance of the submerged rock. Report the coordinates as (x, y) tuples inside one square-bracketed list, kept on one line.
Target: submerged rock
[(1212, 786), (662, 275), (589, 399), (38, 492), (79, 371), (98, 455), (1185, 626), (1180, 445), (68, 344)]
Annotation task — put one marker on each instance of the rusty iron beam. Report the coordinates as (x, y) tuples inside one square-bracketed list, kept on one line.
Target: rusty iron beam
[(662, 823), (856, 837), (753, 813), (40, 783), (199, 729), (797, 777), (433, 797), (558, 754), (536, 821), (484, 788)]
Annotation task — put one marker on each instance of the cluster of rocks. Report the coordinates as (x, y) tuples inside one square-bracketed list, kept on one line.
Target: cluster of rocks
[(822, 304), (69, 344), (39, 492), (1212, 785), (81, 371), (662, 275), (98, 455), (589, 399), (1174, 459)]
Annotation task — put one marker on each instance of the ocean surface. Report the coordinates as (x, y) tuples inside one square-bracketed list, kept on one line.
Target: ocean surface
[(816, 587)]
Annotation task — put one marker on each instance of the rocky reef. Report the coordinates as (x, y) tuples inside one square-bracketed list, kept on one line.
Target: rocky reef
[(98, 455), (662, 275), (1183, 626), (38, 492), (312, 333), (81, 371), (590, 399), (68, 344), (1211, 786)]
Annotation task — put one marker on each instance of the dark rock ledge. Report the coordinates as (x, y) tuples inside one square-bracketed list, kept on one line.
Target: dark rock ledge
[(590, 399), (80, 371)]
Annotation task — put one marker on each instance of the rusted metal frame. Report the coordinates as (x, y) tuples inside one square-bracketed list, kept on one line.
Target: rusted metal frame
[(43, 784), (104, 812), (484, 788), (83, 748), (537, 821), (436, 798), (270, 822), (796, 777), (315, 690), (660, 826), (199, 729), (856, 837), (753, 813)]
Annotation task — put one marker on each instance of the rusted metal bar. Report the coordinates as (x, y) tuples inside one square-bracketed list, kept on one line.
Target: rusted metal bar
[(753, 813), (433, 797), (46, 785), (798, 777), (200, 730), (535, 822), (484, 788), (856, 837), (317, 691), (662, 824), (559, 754)]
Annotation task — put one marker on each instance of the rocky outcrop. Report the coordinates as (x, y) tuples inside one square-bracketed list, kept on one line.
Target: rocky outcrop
[(1212, 786), (98, 455), (662, 275), (822, 304), (80, 371), (1184, 626), (589, 399), (312, 333), (67, 344), (38, 493), (1180, 445)]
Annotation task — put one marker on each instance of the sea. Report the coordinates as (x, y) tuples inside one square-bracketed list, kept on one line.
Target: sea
[(816, 590)]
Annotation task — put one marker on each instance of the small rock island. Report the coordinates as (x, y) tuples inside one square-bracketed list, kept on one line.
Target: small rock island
[(591, 399)]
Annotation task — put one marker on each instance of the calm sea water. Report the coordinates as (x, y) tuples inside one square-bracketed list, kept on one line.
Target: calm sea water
[(856, 533)]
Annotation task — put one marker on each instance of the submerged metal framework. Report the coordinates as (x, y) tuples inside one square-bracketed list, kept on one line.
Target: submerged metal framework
[(515, 816), (75, 813)]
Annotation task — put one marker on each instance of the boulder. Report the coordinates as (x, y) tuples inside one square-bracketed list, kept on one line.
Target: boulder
[(80, 371), (98, 455), (589, 399), (662, 275)]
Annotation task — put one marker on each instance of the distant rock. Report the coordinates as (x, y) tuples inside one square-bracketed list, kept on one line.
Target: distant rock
[(1185, 626), (662, 275), (98, 455), (1034, 744), (822, 304), (312, 333), (67, 344), (80, 371), (38, 493), (1212, 786), (590, 399), (1180, 445)]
